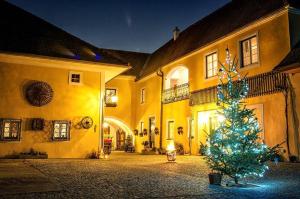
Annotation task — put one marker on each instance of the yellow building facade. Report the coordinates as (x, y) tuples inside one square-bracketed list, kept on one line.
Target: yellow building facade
[(149, 100), (197, 115)]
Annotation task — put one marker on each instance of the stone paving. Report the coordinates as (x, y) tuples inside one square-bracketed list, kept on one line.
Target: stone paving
[(142, 176)]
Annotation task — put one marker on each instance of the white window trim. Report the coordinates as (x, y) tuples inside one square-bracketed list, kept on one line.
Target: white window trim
[(240, 54), (167, 125), (205, 68), (75, 83)]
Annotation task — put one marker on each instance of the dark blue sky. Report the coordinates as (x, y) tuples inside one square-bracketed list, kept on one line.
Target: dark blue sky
[(136, 25)]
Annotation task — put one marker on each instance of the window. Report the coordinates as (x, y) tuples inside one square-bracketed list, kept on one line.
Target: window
[(10, 129), (211, 62), (75, 78), (61, 130), (143, 95), (111, 97), (170, 129), (141, 127), (249, 51), (176, 77)]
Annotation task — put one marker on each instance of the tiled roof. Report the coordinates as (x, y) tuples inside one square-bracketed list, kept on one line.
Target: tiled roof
[(22, 32), (291, 61), (232, 16)]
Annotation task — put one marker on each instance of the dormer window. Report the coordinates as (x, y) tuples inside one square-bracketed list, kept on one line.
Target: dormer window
[(75, 78)]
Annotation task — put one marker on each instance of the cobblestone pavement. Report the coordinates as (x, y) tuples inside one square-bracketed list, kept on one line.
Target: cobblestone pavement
[(150, 176)]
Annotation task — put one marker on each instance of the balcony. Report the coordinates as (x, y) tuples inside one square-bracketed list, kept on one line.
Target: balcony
[(176, 93), (259, 85)]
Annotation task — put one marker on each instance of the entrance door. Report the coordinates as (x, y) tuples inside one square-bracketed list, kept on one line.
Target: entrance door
[(152, 132), (120, 135)]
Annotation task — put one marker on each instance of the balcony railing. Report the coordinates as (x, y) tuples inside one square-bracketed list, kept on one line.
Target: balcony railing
[(262, 84), (177, 93)]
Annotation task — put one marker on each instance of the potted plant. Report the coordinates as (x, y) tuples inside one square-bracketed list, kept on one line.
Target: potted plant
[(180, 130), (145, 132), (141, 134), (156, 131), (215, 178)]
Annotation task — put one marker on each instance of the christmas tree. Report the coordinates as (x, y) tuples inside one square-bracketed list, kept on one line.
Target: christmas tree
[(234, 148)]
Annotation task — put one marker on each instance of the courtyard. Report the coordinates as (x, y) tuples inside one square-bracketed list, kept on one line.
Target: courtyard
[(135, 176)]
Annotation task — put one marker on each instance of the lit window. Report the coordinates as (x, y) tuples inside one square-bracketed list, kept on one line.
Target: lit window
[(75, 78), (142, 127), (61, 130), (111, 97), (170, 129), (143, 95), (249, 51), (10, 129), (211, 65)]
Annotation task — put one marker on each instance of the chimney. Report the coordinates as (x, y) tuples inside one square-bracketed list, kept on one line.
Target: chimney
[(176, 33)]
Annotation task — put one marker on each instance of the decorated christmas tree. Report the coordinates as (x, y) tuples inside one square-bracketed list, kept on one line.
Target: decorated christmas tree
[(235, 148)]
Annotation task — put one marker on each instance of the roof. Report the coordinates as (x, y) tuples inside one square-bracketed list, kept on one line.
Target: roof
[(22, 32), (232, 16), (135, 59), (291, 61)]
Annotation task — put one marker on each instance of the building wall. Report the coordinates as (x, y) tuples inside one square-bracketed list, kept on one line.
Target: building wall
[(69, 103), (151, 108)]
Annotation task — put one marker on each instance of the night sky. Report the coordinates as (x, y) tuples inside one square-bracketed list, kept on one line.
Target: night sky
[(135, 25)]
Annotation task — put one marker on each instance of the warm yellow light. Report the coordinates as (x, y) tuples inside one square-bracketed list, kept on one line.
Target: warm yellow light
[(221, 118), (170, 146), (114, 99), (105, 125)]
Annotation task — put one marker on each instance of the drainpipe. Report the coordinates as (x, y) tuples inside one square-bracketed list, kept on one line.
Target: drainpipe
[(101, 115), (160, 73)]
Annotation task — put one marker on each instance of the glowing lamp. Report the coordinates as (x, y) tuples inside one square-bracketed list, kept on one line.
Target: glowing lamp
[(171, 151), (105, 125), (114, 99)]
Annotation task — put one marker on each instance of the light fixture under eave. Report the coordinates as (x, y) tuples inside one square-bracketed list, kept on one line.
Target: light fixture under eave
[(114, 99)]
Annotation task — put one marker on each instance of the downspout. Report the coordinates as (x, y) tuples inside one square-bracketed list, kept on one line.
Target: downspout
[(160, 73), (101, 115)]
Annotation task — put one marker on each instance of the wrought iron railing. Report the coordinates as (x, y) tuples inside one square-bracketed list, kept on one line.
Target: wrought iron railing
[(262, 84), (176, 93)]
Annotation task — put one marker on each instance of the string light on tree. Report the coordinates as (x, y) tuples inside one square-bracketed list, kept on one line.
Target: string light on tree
[(234, 148)]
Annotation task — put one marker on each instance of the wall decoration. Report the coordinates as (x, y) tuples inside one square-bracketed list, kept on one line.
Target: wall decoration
[(39, 93), (87, 122), (61, 130), (136, 132), (180, 130), (145, 132), (156, 131), (37, 124)]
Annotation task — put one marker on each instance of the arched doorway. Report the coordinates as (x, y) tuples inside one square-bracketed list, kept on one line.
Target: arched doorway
[(117, 133)]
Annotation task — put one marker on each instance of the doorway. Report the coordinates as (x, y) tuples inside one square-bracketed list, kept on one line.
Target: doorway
[(120, 139), (152, 131)]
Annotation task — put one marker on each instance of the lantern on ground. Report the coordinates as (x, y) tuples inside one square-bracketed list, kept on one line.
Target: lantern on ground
[(171, 151)]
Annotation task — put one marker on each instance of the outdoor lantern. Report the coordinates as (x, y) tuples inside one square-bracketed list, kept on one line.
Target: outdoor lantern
[(171, 151), (114, 99)]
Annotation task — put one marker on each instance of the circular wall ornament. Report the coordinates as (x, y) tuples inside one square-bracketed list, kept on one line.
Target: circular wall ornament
[(87, 122), (39, 93)]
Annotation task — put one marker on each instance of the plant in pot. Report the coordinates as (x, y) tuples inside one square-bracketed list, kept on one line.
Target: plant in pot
[(145, 132)]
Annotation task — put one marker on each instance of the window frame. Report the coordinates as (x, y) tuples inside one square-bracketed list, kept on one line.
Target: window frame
[(142, 126), (19, 129), (105, 98), (170, 137), (71, 73), (241, 53), (143, 96), (68, 126), (206, 64)]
